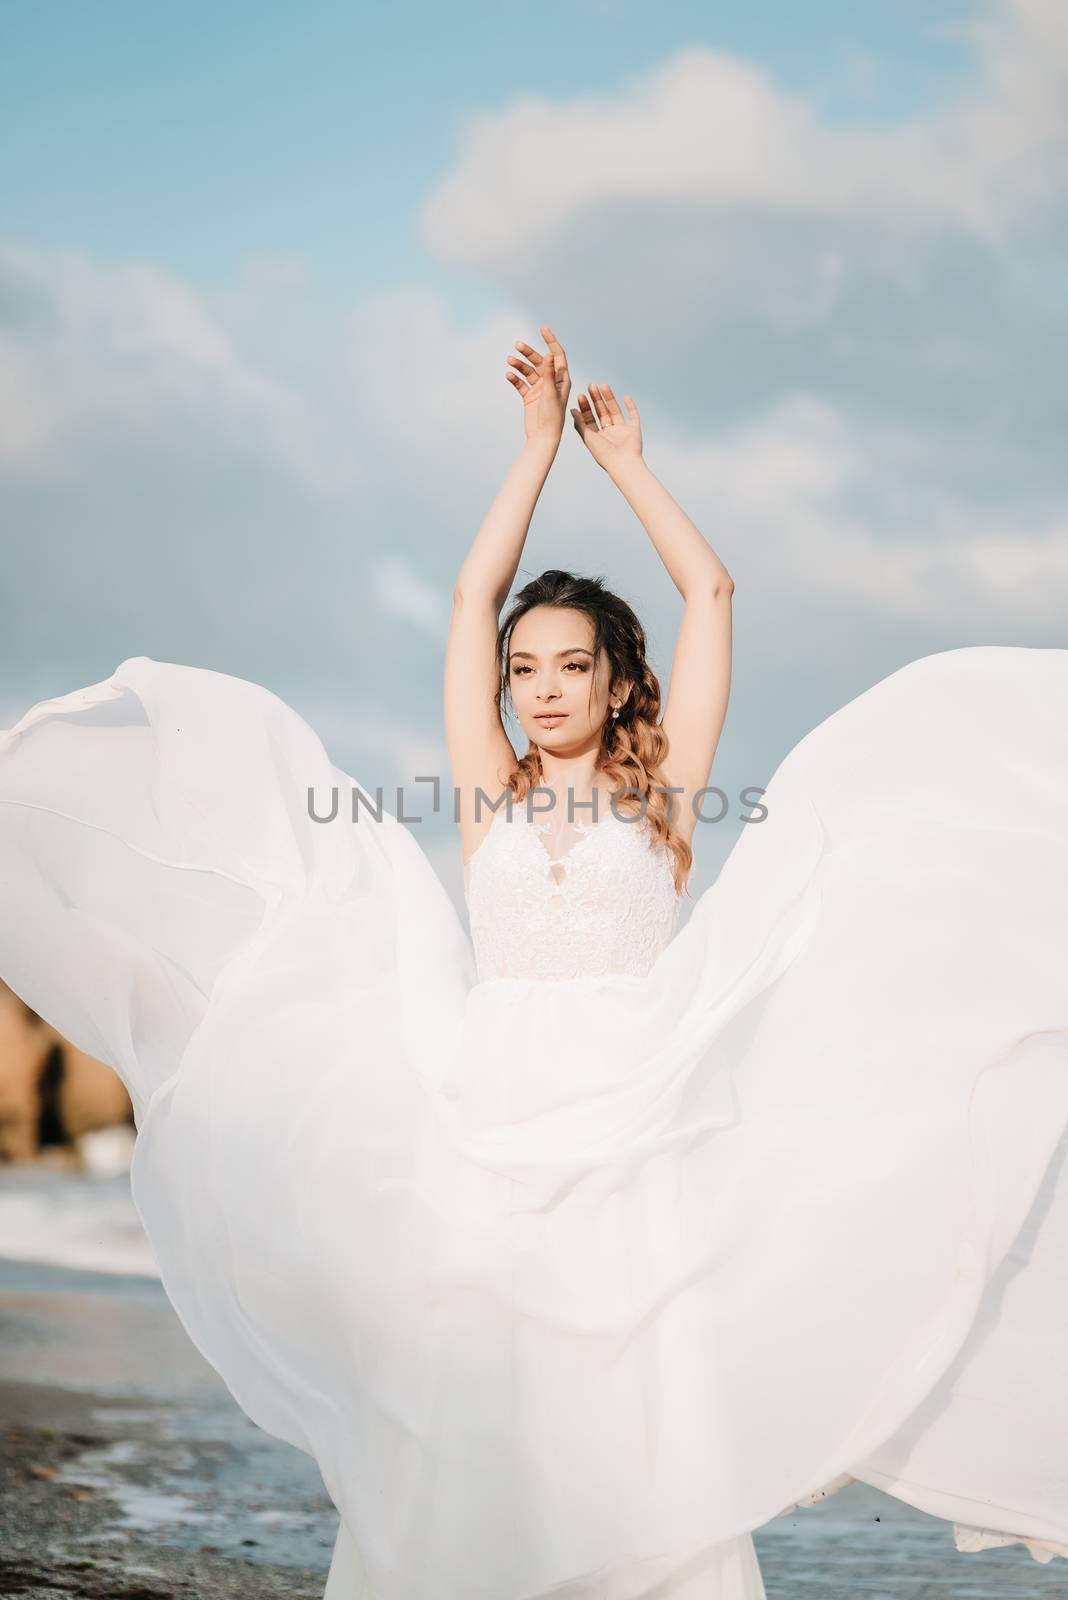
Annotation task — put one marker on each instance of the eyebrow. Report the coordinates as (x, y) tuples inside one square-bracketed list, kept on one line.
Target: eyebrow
[(576, 649)]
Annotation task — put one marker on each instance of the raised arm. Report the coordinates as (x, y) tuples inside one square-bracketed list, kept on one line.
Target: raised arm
[(480, 752), (700, 686)]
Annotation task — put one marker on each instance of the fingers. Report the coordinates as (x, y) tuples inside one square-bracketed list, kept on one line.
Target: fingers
[(600, 405), (552, 365), (556, 349), (532, 365), (536, 366), (587, 412), (607, 406), (614, 413)]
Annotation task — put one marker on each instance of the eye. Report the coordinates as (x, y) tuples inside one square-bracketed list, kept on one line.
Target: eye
[(520, 671)]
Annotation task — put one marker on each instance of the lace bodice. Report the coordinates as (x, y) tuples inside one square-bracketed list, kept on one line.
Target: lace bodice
[(605, 905)]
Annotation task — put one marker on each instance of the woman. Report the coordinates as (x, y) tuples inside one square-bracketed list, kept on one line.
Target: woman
[(602, 725), (577, 1251)]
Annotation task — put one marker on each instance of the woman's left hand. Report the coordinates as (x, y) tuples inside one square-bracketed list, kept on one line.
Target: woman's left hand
[(544, 387), (611, 438)]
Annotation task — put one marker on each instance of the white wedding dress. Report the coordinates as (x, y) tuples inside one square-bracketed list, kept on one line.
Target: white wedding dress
[(578, 1249)]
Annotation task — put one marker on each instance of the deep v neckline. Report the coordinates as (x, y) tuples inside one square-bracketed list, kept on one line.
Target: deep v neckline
[(586, 833)]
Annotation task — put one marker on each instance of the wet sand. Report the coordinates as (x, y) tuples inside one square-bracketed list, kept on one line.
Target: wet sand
[(128, 1471), (62, 1532), (126, 1468)]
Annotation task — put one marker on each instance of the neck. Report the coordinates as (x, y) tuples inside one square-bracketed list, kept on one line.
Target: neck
[(575, 775)]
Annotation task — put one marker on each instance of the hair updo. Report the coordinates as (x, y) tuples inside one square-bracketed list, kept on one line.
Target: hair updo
[(633, 745)]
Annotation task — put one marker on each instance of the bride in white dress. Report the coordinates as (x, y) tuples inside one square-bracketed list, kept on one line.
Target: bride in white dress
[(576, 1250)]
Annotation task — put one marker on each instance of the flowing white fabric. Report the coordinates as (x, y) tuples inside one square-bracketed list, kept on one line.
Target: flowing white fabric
[(570, 1282)]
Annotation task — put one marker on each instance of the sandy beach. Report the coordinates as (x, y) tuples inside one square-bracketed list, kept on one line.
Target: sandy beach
[(127, 1470)]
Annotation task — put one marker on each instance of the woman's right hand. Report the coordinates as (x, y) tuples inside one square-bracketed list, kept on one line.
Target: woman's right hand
[(544, 387)]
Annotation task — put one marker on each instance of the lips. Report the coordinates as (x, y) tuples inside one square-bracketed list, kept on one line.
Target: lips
[(551, 716)]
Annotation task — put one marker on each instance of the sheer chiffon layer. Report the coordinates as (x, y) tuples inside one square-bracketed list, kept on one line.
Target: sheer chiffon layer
[(570, 1285), (728, 1571)]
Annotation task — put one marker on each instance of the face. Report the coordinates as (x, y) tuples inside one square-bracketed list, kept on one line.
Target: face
[(551, 668)]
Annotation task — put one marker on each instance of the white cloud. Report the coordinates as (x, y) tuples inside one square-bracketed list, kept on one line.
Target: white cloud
[(848, 350), (93, 348), (782, 490), (707, 133), (847, 344)]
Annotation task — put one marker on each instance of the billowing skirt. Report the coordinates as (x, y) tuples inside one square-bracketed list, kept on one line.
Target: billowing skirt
[(564, 1284)]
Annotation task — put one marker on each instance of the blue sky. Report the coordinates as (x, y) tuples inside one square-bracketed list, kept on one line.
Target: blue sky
[(195, 134), (260, 268)]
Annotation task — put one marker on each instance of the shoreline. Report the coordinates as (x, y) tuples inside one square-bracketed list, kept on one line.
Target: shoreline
[(128, 1471), (62, 1530), (126, 1467)]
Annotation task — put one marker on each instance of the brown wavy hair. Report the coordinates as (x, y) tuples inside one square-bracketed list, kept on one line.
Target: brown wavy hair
[(633, 745)]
